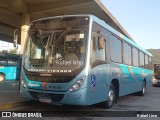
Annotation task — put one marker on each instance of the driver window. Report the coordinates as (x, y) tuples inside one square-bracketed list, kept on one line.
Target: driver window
[(98, 48)]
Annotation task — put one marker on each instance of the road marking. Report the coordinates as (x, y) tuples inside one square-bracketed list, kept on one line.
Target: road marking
[(11, 105)]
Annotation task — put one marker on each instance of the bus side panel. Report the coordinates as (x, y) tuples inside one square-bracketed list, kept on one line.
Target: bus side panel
[(135, 77), (98, 80), (130, 78), (121, 74), (103, 75), (148, 74), (126, 81), (9, 72)]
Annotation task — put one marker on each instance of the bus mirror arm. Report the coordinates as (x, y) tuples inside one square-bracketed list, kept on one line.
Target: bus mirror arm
[(15, 39)]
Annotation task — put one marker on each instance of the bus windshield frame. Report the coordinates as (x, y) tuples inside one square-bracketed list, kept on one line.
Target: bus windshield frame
[(57, 45)]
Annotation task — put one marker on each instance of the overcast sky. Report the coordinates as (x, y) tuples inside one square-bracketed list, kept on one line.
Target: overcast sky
[(140, 18)]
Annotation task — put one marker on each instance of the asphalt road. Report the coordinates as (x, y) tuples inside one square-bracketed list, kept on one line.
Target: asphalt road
[(127, 106), (9, 92)]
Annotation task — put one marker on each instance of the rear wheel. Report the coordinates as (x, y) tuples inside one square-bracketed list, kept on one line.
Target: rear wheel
[(2, 77), (111, 98), (142, 92)]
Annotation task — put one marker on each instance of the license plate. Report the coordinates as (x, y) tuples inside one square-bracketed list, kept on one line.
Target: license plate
[(45, 100)]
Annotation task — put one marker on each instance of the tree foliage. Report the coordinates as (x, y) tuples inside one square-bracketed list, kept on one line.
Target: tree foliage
[(156, 55), (13, 51)]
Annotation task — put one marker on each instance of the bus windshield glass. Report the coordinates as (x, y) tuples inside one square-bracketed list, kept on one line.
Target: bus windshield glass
[(157, 71), (57, 45)]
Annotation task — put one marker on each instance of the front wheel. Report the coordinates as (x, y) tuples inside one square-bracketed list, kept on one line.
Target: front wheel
[(111, 98), (2, 77)]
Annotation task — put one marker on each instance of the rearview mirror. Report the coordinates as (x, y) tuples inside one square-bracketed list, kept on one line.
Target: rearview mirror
[(95, 39), (101, 42), (15, 39)]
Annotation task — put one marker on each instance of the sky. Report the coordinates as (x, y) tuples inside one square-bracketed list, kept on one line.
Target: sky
[(140, 18)]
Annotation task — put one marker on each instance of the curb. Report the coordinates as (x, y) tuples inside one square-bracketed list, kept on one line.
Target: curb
[(11, 105)]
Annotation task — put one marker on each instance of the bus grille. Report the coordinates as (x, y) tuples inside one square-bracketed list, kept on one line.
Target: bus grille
[(54, 97), (55, 79)]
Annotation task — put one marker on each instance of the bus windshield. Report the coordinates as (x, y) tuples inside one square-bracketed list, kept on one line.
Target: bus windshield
[(157, 71), (57, 45)]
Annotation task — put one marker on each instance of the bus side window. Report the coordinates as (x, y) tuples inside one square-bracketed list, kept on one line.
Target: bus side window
[(98, 49)]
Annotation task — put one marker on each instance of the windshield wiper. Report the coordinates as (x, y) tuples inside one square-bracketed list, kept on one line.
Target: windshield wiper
[(40, 36), (51, 44), (63, 33)]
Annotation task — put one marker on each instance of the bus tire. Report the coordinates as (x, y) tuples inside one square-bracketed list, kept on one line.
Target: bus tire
[(2, 77), (142, 92), (111, 98)]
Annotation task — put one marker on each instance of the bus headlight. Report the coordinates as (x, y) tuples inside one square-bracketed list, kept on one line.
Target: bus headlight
[(23, 82), (77, 85)]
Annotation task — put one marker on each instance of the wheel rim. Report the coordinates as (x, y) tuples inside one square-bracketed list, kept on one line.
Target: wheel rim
[(1, 78), (111, 96), (144, 88)]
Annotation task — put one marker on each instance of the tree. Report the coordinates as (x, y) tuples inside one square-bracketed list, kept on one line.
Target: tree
[(13, 51)]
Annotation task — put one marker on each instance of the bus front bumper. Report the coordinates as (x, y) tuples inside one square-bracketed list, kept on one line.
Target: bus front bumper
[(156, 81), (79, 97)]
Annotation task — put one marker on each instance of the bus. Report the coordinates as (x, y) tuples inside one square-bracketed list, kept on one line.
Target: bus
[(156, 74), (10, 67), (81, 60)]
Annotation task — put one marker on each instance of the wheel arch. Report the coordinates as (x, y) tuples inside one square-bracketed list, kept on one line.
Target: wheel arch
[(145, 80), (115, 82), (1, 73)]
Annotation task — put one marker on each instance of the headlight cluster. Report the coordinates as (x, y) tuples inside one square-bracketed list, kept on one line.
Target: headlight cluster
[(76, 86), (23, 82)]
